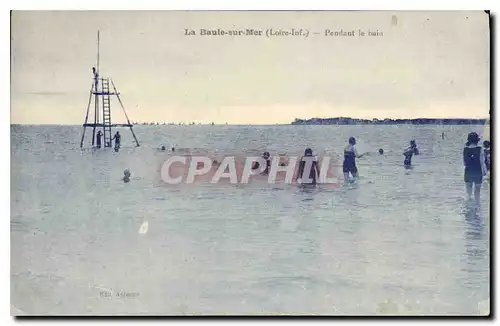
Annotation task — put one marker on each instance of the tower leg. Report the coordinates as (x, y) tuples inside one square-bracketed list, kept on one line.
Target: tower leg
[(123, 108), (135, 138), (96, 112), (86, 116)]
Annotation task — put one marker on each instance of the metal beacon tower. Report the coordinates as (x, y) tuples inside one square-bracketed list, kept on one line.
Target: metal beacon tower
[(101, 95)]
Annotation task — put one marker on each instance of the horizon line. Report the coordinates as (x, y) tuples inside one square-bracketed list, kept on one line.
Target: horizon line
[(228, 124), (136, 123)]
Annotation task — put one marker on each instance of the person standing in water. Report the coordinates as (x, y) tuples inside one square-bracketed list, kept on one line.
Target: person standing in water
[(409, 152), (98, 140), (350, 155), (487, 154), (475, 166), (117, 139), (313, 172)]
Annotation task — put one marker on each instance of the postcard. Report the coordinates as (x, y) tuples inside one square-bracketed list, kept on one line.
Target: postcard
[(249, 163)]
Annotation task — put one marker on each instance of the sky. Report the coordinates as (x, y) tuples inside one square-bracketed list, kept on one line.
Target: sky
[(426, 64)]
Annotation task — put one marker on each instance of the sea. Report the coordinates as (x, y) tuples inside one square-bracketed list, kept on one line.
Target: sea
[(83, 242)]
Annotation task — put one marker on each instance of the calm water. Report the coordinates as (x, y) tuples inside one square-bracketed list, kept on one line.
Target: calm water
[(397, 244)]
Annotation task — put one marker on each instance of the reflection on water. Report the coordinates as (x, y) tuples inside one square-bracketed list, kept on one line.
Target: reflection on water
[(476, 252), (475, 230)]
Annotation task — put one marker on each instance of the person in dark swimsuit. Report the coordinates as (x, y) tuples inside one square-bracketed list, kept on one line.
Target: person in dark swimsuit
[(350, 155), (99, 137), (409, 152), (475, 165), (256, 165), (117, 138), (313, 172), (487, 154)]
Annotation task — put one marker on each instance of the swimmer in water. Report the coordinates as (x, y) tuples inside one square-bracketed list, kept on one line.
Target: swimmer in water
[(350, 155), (475, 166), (381, 151), (126, 175), (313, 172), (163, 148), (487, 154), (409, 152), (265, 156)]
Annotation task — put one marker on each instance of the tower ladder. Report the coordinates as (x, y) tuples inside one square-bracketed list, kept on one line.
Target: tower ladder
[(106, 111)]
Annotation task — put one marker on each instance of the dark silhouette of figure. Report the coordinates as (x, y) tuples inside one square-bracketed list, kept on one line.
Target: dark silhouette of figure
[(409, 152), (313, 173), (475, 165), (117, 139), (487, 154), (349, 164), (98, 140)]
